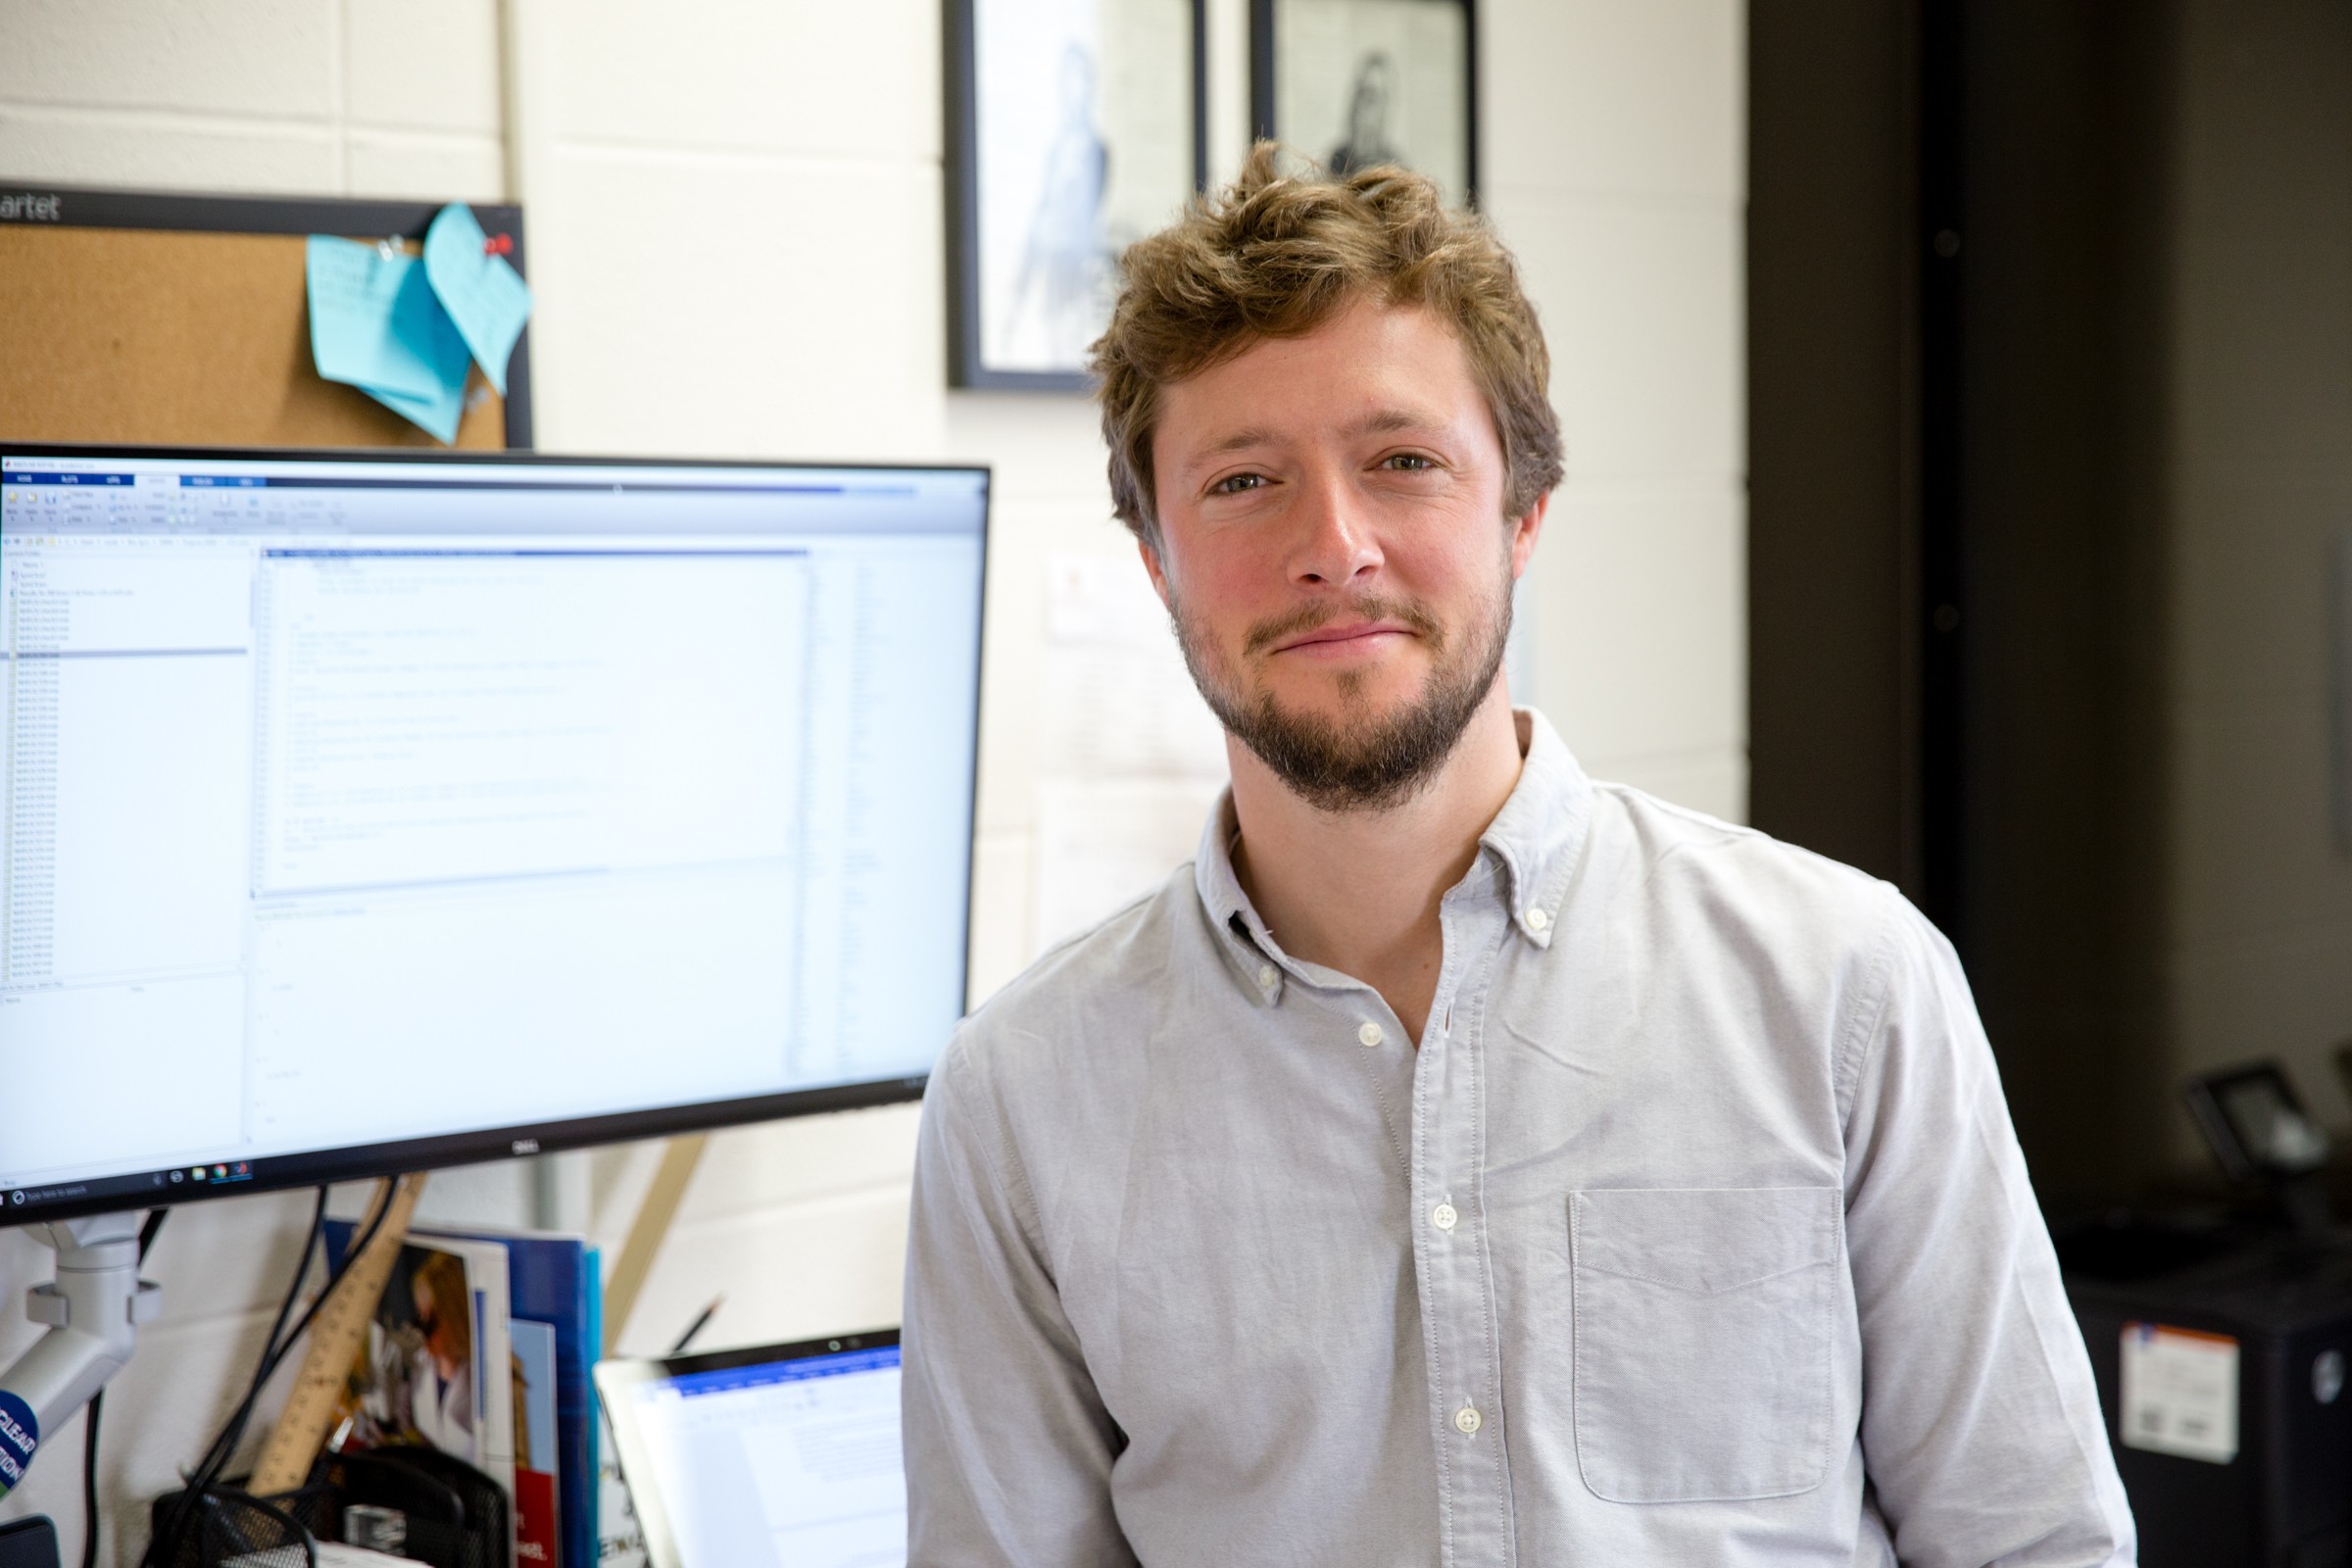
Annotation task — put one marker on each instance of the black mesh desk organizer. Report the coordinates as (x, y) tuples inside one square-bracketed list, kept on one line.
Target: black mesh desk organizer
[(457, 1516)]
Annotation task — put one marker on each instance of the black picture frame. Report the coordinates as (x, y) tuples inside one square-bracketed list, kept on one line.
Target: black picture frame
[(968, 362), (1266, 122)]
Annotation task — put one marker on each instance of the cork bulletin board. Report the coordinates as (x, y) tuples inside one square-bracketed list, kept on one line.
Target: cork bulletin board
[(180, 320)]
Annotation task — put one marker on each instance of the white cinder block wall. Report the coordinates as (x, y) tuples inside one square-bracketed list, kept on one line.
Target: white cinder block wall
[(1615, 145), (734, 209)]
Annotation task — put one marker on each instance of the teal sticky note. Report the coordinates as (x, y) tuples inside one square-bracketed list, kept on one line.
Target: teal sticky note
[(437, 412), (376, 323), (482, 293)]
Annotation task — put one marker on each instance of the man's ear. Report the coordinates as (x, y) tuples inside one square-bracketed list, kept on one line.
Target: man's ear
[(1524, 534), (1159, 577)]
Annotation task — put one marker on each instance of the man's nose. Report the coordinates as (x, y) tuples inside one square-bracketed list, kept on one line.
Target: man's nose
[(1335, 544)]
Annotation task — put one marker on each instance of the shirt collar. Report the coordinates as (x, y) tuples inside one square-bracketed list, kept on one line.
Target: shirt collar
[(1243, 937), (1536, 838), (1539, 832)]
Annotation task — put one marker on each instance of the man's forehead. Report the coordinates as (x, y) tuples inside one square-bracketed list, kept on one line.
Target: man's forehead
[(1384, 417), (1371, 368)]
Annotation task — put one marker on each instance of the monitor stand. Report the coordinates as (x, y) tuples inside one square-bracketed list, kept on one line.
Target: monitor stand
[(93, 1311)]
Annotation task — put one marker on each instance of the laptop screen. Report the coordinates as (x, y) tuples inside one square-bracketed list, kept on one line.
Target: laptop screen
[(793, 1464)]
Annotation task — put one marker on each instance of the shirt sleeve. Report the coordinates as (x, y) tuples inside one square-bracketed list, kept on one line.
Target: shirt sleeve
[(1981, 1423), (1007, 1446)]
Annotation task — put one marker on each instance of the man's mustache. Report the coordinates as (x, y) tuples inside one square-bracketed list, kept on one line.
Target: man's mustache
[(1309, 618)]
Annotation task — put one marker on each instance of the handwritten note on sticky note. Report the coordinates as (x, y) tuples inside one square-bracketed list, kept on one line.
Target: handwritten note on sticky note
[(482, 293), (375, 323)]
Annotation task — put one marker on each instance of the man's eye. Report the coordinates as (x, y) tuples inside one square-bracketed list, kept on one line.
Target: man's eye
[(1408, 461), (1233, 484)]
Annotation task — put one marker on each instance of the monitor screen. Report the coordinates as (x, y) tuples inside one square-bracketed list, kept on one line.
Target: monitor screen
[(369, 815), (790, 1463)]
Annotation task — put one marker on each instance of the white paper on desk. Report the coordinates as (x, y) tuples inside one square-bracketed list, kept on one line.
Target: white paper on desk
[(331, 1555), (1130, 760)]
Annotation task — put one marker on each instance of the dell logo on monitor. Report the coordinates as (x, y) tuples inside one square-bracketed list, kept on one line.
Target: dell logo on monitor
[(527, 1146)]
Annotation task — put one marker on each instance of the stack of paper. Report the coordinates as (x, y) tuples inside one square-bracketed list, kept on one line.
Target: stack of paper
[(403, 329)]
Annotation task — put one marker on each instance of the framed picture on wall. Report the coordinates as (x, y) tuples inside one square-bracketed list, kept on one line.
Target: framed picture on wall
[(1075, 127), (1351, 83)]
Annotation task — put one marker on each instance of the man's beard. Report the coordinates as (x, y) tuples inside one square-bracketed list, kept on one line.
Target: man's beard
[(1359, 761)]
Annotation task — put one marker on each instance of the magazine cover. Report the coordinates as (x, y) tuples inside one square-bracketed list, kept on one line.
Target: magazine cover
[(422, 1375)]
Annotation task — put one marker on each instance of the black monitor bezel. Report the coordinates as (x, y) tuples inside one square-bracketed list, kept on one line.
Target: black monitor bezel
[(311, 1168)]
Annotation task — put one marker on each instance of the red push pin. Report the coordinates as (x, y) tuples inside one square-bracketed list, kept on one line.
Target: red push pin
[(499, 245)]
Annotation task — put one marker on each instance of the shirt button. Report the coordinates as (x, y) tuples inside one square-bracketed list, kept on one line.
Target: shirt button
[(1536, 919), (1466, 1420), (1443, 1217), (1265, 976), (1369, 1033)]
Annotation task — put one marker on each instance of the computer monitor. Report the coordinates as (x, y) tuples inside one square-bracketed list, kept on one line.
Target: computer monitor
[(378, 812)]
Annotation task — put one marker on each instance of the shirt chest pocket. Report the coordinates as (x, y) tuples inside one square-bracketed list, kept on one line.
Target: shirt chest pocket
[(1703, 1319)]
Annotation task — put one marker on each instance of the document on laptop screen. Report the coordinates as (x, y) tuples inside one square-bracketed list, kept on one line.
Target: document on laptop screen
[(790, 1463)]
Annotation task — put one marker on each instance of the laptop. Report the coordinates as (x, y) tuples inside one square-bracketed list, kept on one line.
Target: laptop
[(779, 1456)]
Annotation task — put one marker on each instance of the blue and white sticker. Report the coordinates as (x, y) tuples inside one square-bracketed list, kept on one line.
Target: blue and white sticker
[(19, 1435)]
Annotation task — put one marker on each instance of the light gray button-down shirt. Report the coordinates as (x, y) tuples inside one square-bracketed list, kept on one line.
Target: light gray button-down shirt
[(1694, 1233)]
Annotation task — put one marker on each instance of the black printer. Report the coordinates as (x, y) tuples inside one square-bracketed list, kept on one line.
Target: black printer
[(2220, 1341)]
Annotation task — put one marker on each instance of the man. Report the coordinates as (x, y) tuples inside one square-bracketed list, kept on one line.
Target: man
[(1462, 1162)]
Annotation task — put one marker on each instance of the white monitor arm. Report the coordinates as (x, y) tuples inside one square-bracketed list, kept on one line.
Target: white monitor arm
[(93, 1311)]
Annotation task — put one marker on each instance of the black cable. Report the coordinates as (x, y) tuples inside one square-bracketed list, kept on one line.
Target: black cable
[(216, 1454), (273, 1347), (358, 1244), (163, 1545), (223, 1446), (224, 1442), (89, 1479), (97, 1407)]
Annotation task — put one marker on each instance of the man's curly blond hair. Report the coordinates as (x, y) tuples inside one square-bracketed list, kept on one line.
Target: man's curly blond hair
[(1277, 255)]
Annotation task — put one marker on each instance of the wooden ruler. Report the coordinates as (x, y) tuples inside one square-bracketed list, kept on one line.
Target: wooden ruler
[(336, 1335)]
